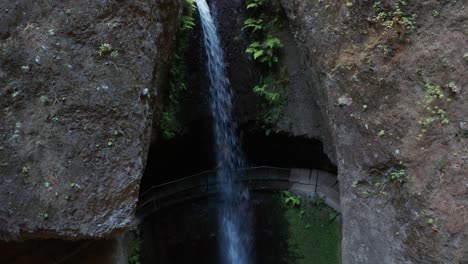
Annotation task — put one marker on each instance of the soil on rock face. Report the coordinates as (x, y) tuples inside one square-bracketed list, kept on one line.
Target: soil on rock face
[(78, 82), (393, 100)]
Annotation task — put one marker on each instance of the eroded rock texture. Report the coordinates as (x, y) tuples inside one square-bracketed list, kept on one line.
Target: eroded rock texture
[(368, 81), (75, 124)]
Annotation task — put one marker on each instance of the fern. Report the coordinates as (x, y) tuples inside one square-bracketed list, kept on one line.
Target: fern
[(273, 43), (265, 51), (255, 24), (291, 199), (273, 90), (271, 97), (252, 4), (191, 4), (188, 23)]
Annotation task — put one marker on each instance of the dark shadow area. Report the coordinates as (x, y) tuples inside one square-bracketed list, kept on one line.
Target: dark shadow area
[(282, 233), (281, 150), (55, 251), (181, 156), (187, 233), (192, 153)]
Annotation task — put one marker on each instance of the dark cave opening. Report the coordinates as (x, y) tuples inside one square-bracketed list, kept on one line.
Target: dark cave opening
[(192, 153)]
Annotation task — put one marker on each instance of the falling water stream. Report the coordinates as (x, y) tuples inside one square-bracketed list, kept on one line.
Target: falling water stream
[(235, 242)]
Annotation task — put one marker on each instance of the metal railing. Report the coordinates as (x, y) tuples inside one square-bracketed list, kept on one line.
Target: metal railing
[(206, 183)]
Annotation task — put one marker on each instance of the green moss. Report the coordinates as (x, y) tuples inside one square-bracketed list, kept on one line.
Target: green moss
[(314, 235)]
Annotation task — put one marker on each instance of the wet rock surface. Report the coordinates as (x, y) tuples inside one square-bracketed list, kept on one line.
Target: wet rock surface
[(368, 81), (78, 85)]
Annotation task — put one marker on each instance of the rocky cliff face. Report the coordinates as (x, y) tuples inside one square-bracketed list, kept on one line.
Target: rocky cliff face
[(391, 88), (78, 85)]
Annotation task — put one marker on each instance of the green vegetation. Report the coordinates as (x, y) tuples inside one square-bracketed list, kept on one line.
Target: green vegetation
[(261, 26), (253, 24), (107, 49), (188, 22), (291, 199), (135, 245), (44, 215), (104, 49), (25, 170), (255, 3), (382, 181), (178, 76), (432, 103), (430, 221), (398, 175), (381, 133), (313, 234), (265, 51), (394, 15), (272, 90), (115, 54), (44, 99)]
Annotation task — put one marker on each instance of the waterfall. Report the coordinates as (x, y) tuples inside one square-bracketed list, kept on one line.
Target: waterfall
[(235, 242)]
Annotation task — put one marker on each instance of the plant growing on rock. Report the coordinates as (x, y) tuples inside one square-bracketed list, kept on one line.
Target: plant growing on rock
[(271, 89), (104, 48), (392, 15), (432, 103), (44, 99), (178, 76), (266, 50), (252, 4), (381, 133), (188, 22), (254, 24), (398, 175), (265, 47)]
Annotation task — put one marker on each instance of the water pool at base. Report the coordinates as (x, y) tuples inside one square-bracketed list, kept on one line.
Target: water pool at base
[(188, 232)]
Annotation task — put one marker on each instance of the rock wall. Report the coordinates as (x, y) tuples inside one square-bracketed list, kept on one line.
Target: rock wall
[(368, 81), (78, 85)]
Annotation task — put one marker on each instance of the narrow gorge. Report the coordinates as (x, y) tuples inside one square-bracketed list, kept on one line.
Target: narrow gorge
[(233, 131)]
